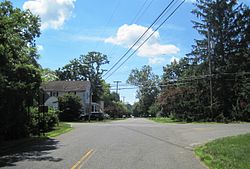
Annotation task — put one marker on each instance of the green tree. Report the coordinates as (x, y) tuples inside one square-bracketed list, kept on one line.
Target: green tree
[(19, 71), (86, 67), (154, 110), (116, 109), (227, 25), (186, 92), (69, 106), (48, 75), (129, 108), (72, 71), (137, 110), (147, 82), (112, 104)]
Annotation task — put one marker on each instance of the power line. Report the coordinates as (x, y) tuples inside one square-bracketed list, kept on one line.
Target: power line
[(192, 78), (183, 81), (143, 41), (144, 11), (140, 37), (138, 13), (137, 17), (109, 20)]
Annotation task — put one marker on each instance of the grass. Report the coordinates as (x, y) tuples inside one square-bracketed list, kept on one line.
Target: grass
[(226, 153), (170, 120), (164, 120), (58, 130)]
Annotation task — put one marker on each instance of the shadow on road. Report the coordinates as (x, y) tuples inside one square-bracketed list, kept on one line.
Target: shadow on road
[(36, 150)]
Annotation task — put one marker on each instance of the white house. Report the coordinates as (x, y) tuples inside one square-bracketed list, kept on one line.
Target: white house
[(54, 89)]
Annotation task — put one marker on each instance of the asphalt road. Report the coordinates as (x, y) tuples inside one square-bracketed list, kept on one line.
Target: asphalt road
[(126, 144)]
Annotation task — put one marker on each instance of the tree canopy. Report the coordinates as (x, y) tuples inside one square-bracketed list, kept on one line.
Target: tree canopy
[(86, 67), (19, 72), (216, 70), (147, 82)]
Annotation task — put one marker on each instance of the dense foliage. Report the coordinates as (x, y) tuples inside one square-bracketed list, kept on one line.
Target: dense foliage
[(19, 72), (86, 67), (112, 104), (147, 82), (69, 106), (48, 75), (191, 90), (42, 121)]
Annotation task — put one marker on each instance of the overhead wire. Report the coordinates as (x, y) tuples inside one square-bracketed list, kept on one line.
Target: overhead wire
[(135, 43), (176, 82), (138, 13), (136, 20), (142, 42), (137, 17), (109, 20)]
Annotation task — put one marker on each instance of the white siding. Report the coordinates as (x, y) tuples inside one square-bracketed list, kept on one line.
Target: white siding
[(84, 95)]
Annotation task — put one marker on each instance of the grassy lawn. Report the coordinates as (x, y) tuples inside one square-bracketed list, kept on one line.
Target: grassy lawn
[(226, 153), (164, 120), (170, 120), (58, 130)]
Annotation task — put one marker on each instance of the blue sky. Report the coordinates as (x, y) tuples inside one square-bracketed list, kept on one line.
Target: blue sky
[(74, 27)]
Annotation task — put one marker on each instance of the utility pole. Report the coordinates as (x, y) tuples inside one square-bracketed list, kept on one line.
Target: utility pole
[(210, 72), (117, 82)]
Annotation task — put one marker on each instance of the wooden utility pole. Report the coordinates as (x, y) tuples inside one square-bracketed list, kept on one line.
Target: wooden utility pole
[(117, 82), (210, 72)]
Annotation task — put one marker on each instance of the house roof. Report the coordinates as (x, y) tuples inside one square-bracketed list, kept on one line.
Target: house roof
[(66, 86)]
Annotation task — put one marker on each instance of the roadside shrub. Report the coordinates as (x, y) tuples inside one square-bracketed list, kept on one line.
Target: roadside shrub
[(69, 106), (220, 118), (40, 121), (154, 110), (116, 109), (246, 113)]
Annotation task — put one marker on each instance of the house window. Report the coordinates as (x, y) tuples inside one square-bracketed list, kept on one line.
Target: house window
[(72, 92), (86, 96), (53, 93)]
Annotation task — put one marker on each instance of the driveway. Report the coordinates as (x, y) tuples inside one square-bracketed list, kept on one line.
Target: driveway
[(127, 144)]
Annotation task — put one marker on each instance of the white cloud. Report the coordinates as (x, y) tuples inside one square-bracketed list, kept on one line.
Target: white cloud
[(156, 49), (39, 47), (83, 38), (53, 13), (127, 34), (156, 60)]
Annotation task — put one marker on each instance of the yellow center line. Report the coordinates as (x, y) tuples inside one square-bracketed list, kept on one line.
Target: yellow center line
[(85, 156), (85, 160)]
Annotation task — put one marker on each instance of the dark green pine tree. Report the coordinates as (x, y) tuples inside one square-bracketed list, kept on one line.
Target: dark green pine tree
[(227, 25)]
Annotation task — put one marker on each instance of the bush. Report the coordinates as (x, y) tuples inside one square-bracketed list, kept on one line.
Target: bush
[(42, 121), (154, 110), (220, 118), (69, 106), (116, 109)]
